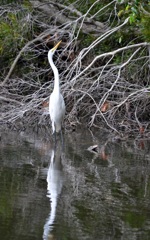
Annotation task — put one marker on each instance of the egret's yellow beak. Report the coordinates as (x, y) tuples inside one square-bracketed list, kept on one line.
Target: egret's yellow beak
[(56, 46)]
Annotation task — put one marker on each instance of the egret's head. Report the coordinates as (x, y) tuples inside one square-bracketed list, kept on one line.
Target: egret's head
[(52, 51)]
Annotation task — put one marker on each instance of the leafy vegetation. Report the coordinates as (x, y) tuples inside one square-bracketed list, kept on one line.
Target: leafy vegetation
[(15, 30), (138, 12)]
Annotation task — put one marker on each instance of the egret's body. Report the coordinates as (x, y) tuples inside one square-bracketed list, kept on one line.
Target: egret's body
[(56, 101), (57, 111)]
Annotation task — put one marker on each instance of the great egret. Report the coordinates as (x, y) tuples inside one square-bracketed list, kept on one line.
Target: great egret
[(56, 101)]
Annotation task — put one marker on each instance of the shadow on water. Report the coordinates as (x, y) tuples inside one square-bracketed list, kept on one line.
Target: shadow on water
[(97, 188)]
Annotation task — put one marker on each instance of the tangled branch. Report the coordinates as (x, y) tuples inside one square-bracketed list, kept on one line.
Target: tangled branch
[(97, 88)]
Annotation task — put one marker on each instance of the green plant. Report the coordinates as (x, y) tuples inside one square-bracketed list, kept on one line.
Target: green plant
[(15, 31), (138, 12)]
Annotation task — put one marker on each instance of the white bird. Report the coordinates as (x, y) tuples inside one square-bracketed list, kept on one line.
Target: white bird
[(56, 101)]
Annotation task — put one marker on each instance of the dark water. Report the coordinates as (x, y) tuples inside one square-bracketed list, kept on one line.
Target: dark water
[(74, 194)]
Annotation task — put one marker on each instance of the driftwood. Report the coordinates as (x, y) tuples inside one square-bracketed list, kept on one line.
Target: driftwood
[(60, 12)]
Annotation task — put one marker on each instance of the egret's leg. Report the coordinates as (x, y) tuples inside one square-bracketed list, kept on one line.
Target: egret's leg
[(54, 134), (62, 139), (55, 139)]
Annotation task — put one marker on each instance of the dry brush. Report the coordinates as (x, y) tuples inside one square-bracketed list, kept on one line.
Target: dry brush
[(101, 88)]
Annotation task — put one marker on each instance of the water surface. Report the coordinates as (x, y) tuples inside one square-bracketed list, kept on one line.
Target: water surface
[(47, 193)]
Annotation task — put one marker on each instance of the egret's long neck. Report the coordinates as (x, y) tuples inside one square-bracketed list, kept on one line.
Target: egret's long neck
[(56, 75)]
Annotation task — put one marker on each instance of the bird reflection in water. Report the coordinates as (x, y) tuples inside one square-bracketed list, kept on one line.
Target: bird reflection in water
[(54, 187)]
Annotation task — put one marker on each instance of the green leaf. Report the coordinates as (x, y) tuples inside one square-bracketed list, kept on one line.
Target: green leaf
[(120, 13), (132, 18), (120, 40), (134, 10), (127, 8)]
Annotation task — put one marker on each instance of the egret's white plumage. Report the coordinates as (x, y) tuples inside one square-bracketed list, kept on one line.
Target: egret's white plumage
[(56, 101)]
